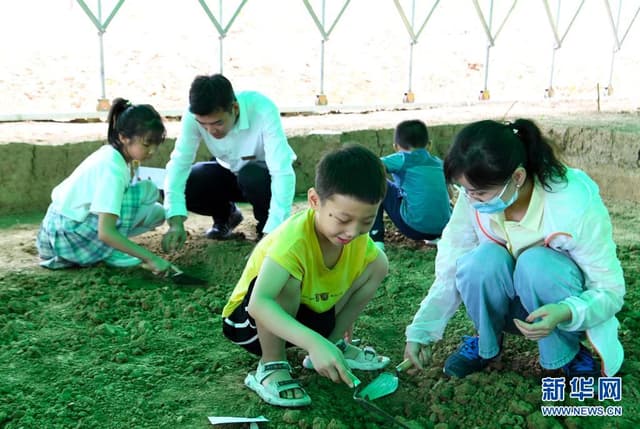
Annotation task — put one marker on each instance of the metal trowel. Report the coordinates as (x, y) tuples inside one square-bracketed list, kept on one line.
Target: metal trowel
[(384, 384), (179, 277)]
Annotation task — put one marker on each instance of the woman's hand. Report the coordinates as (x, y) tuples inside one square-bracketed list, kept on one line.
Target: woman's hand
[(549, 316), (418, 354)]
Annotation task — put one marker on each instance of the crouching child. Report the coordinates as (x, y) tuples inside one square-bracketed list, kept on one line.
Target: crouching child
[(306, 283)]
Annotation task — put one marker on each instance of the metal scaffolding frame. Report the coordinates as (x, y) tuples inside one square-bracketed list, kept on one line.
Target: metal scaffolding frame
[(555, 24), (491, 39), (321, 99), (103, 103), (409, 96), (222, 31), (617, 45), (619, 36)]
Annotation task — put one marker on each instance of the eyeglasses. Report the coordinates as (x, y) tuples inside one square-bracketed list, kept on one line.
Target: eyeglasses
[(479, 195)]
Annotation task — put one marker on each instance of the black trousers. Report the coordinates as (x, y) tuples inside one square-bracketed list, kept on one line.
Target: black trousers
[(212, 190)]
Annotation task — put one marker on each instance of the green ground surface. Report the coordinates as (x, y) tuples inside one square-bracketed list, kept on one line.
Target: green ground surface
[(108, 348)]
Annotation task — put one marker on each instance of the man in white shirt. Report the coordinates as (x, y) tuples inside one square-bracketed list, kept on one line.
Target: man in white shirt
[(252, 162)]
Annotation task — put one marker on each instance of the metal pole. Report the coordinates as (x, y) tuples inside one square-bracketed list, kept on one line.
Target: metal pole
[(222, 31), (616, 47), (321, 99), (221, 38), (322, 51), (550, 91), (489, 44), (409, 96), (100, 34), (413, 15), (103, 103)]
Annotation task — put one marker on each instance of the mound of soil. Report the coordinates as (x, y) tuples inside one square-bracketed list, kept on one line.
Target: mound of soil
[(102, 347)]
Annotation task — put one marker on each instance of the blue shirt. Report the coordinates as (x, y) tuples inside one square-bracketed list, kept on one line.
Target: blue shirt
[(420, 177)]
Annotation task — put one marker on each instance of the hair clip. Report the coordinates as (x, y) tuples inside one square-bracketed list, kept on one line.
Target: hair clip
[(509, 124)]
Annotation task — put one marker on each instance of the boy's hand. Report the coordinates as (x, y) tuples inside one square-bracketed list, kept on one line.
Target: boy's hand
[(329, 362), (348, 335), (418, 354)]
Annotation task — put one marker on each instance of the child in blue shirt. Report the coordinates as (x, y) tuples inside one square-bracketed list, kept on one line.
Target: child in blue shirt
[(417, 199)]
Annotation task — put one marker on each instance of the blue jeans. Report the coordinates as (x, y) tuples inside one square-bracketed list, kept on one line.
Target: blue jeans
[(391, 204), (496, 288)]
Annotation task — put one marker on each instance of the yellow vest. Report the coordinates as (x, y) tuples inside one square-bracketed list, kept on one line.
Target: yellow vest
[(294, 246)]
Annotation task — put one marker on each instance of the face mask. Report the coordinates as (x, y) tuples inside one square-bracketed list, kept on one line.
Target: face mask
[(495, 204)]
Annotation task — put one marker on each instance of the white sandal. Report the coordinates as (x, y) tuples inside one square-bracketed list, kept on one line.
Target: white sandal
[(367, 358), (271, 392)]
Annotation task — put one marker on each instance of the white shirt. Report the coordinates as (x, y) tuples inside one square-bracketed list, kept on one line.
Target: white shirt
[(575, 222), (257, 136), (97, 185)]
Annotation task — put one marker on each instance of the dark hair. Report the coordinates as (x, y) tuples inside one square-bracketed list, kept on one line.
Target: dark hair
[(487, 152), (351, 170), (134, 120), (411, 134), (209, 94)]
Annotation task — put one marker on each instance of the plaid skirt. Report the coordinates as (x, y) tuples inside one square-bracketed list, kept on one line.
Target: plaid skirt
[(64, 242)]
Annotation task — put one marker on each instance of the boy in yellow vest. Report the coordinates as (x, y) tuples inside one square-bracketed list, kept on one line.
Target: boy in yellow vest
[(307, 282)]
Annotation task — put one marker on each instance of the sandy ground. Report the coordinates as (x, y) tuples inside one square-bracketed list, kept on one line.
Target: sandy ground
[(154, 48), (18, 249), (101, 347)]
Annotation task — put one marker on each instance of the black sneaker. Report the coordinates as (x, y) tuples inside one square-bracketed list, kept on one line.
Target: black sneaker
[(466, 360), (223, 231), (582, 365)]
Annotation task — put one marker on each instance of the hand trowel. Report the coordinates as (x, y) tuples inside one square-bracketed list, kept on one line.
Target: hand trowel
[(179, 277), (383, 385)]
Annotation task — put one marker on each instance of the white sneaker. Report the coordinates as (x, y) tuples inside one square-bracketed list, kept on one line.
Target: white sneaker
[(122, 260)]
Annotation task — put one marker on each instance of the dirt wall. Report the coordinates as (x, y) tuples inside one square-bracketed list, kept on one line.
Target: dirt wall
[(609, 155)]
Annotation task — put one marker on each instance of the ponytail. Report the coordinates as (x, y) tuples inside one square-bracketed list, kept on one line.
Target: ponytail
[(542, 160), (129, 120), (118, 106)]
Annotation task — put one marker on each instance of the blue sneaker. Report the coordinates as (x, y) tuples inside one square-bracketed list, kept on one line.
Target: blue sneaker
[(582, 365), (466, 360)]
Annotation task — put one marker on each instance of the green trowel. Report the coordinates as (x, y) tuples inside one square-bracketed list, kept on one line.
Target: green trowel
[(383, 385)]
